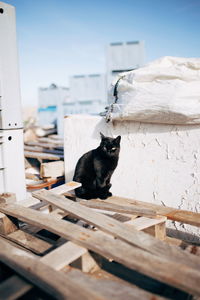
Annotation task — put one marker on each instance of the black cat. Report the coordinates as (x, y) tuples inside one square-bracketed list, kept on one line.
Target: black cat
[(95, 168)]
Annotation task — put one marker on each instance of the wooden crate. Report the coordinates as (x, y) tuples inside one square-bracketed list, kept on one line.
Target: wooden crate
[(48, 253)]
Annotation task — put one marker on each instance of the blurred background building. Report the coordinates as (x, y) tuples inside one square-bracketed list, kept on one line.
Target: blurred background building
[(49, 99), (87, 94), (124, 57)]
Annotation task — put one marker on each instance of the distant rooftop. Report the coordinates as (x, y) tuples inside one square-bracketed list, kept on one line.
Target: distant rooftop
[(121, 43)]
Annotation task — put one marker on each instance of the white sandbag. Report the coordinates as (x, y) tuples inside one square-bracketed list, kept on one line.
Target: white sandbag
[(165, 91)]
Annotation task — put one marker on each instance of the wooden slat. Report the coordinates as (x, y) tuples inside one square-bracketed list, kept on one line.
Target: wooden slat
[(7, 198), (63, 255), (13, 288), (43, 132), (155, 227), (113, 287), (59, 286), (45, 145), (132, 257), (143, 222), (29, 241), (41, 149), (30, 201), (39, 155), (7, 225), (134, 209), (171, 213), (51, 141), (31, 176), (52, 169), (103, 289), (118, 229), (55, 137), (66, 187)]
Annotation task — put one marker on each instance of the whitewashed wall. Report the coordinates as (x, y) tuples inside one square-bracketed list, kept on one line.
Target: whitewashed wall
[(158, 163)]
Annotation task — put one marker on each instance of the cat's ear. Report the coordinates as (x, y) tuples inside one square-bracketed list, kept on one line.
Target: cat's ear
[(102, 136), (118, 139)]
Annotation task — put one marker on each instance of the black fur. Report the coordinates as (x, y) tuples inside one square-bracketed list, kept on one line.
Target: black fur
[(95, 168)]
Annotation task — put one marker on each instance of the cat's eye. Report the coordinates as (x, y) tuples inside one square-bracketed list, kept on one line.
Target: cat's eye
[(113, 149)]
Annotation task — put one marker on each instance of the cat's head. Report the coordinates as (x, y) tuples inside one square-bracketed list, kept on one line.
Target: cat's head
[(110, 146)]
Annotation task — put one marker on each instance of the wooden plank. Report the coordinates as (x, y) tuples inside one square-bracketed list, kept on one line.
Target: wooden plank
[(110, 289), (56, 137), (122, 218), (32, 176), (51, 141), (174, 241), (63, 255), (42, 132), (155, 227), (7, 225), (134, 209), (66, 187), (160, 231), (143, 222), (56, 284), (52, 169), (171, 213), (113, 287), (117, 229), (134, 258), (45, 145), (87, 263), (30, 201), (13, 288), (29, 241), (41, 149), (39, 155), (7, 198)]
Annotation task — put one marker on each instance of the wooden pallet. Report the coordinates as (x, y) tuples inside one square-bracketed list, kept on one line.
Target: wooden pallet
[(44, 162), (113, 244), (44, 149)]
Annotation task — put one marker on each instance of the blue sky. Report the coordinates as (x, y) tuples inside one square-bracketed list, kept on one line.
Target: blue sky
[(59, 38)]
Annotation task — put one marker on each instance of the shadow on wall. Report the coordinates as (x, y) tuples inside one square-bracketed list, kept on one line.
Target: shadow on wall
[(127, 127), (183, 235), (148, 128)]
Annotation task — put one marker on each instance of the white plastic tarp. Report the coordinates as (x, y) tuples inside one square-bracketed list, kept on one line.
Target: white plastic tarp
[(164, 91)]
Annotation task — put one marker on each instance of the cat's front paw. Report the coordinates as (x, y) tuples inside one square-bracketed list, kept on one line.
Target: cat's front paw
[(109, 194), (105, 196)]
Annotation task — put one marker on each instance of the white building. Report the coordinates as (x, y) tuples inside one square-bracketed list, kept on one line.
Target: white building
[(123, 57), (87, 94), (50, 99)]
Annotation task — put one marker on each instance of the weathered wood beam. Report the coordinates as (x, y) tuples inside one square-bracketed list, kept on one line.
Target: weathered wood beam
[(134, 258), (118, 229), (171, 213)]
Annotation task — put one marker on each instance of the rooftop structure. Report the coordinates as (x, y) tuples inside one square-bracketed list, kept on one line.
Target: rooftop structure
[(87, 94), (50, 98), (123, 57)]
